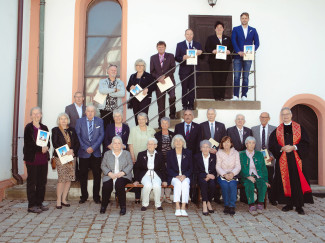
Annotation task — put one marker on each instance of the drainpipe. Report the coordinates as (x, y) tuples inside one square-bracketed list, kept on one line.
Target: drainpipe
[(41, 54), (14, 157)]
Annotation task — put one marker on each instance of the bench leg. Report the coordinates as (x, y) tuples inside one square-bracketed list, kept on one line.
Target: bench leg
[(198, 198)]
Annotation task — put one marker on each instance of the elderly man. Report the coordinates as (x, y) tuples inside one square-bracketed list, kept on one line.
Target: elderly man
[(239, 133), (160, 63), (289, 145), (261, 133), (76, 110), (185, 70), (114, 90), (90, 131)]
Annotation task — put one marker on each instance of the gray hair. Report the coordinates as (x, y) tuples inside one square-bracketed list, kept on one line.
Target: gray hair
[(211, 109), (143, 115), (117, 138), (285, 109), (60, 115), (190, 111), (250, 138), (240, 115), (116, 112), (178, 136), (165, 119), (35, 108), (140, 61), (78, 92), (90, 106), (205, 142), (152, 139)]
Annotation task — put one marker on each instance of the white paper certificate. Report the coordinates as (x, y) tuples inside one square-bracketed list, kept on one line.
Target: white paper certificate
[(62, 153), (214, 143), (249, 52), (42, 138), (167, 85), (193, 57), (137, 92), (266, 156), (100, 98), (221, 52)]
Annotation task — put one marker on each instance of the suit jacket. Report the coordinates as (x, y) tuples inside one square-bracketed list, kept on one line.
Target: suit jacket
[(193, 142), (259, 164), (172, 164), (238, 38), (58, 140), (181, 49), (219, 131), (110, 133), (156, 70), (71, 110), (158, 136), (199, 165), (234, 134), (141, 168), (125, 164), (211, 44), (97, 139)]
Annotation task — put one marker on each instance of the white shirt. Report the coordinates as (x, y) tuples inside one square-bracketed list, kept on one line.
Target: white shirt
[(261, 131), (245, 31), (151, 164), (206, 163), (179, 160), (79, 109), (220, 39)]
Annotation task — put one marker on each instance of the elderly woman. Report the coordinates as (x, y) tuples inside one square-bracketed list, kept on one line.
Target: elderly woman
[(164, 138), (116, 129), (151, 172), (253, 174), (61, 135), (228, 168), (137, 142), (36, 159), (117, 170), (143, 79), (205, 164), (179, 172)]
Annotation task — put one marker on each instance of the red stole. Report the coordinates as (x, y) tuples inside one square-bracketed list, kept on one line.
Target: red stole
[(296, 132)]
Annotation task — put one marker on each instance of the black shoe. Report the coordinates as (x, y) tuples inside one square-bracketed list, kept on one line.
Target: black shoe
[(123, 211), (210, 211), (58, 207), (274, 203), (217, 200), (102, 209), (205, 213), (82, 201), (226, 210), (143, 208), (160, 208), (34, 209), (232, 211), (300, 210), (65, 205), (98, 201), (190, 108), (287, 208), (44, 208), (184, 108), (137, 201)]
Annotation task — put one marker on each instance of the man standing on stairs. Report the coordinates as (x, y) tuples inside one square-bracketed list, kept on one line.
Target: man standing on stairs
[(161, 63), (185, 70)]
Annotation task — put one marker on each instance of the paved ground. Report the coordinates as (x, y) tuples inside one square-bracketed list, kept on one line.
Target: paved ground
[(83, 223)]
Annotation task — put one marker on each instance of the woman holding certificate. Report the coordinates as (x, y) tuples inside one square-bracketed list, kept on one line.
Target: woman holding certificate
[(36, 158), (220, 60), (137, 82), (64, 135)]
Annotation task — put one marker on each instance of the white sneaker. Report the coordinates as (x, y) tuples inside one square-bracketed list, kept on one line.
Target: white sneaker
[(178, 213), (234, 98), (184, 213), (243, 98)]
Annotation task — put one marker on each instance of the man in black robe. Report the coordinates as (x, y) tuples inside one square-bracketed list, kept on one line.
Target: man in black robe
[(289, 145)]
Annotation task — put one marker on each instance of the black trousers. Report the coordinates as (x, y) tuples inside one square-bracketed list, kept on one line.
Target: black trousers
[(219, 78), (270, 171), (162, 103), (140, 107), (108, 119), (36, 184), (187, 85), (92, 163), (208, 189), (119, 188)]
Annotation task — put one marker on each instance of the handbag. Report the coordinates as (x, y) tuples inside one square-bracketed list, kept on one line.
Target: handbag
[(53, 163)]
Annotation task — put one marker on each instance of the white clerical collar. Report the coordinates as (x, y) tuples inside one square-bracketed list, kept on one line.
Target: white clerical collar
[(287, 124)]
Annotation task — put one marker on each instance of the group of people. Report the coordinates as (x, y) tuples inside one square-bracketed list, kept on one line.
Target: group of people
[(162, 66), (183, 158)]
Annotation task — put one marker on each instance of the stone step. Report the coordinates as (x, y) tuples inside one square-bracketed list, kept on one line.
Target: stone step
[(228, 105)]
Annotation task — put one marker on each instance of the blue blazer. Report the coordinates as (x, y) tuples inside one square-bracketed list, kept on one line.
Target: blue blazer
[(172, 164), (98, 137), (181, 49), (199, 165), (110, 133), (238, 39)]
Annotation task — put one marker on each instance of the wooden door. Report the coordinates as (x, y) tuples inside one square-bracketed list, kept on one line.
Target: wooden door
[(203, 26)]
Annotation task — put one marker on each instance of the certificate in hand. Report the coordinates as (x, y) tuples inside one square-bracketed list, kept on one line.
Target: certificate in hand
[(137, 92), (221, 52), (167, 85), (214, 143), (42, 138), (249, 51), (193, 57), (266, 156), (100, 98), (62, 153)]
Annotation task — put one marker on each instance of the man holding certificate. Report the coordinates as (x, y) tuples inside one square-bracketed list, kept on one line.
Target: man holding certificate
[(186, 70), (160, 63)]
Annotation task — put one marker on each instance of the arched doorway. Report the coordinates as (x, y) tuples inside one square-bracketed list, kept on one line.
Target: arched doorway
[(307, 118)]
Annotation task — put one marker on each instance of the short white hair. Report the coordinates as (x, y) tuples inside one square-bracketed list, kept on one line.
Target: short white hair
[(143, 115), (60, 115), (90, 106), (116, 112), (205, 142), (152, 139), (178, 136), (250, 138), (165, 119), (211, 109), (285, 109), (140, 61), (240, 115), (35, 108), (117, 138)]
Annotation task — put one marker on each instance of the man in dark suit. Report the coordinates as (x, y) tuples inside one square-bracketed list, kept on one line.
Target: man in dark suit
[(76, 110), (212, 129), (160, 63), (90, 131), (239, 133), (186, 70)]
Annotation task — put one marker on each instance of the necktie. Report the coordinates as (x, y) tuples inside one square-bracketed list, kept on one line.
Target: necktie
[(187, 134), (90, 130), (263, 138), (241, 135), (212, 131), (189, 45)]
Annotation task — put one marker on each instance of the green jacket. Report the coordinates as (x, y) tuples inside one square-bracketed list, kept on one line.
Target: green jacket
[(259, 164)]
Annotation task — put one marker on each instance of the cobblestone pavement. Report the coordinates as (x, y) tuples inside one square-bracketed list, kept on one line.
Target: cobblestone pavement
[(84, 223)]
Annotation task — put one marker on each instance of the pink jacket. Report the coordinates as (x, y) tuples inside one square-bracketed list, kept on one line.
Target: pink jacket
[(228, 163)]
